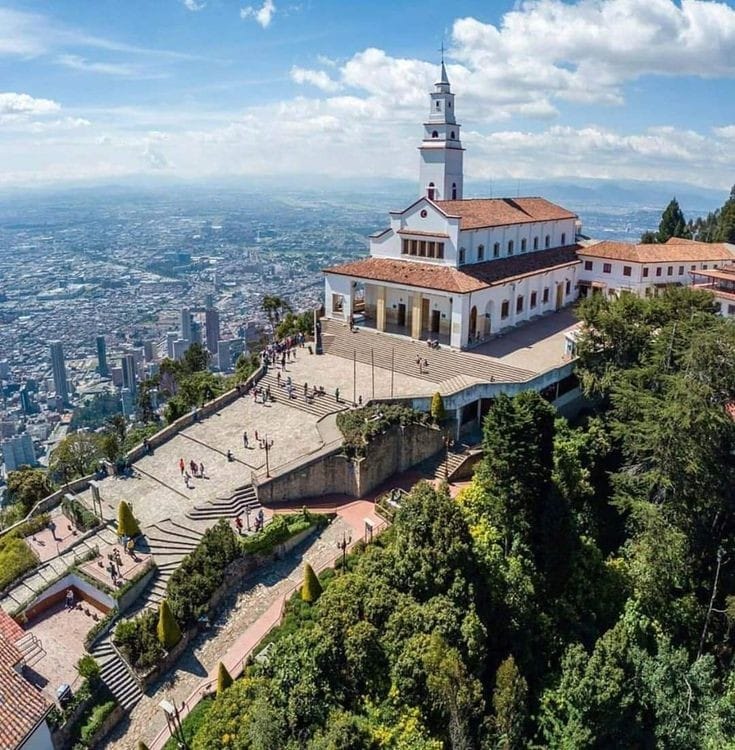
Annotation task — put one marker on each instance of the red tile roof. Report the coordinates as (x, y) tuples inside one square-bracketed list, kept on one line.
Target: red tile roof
[(475, 213), (675, 250), (22, 706), (9, 628), (469, 278)]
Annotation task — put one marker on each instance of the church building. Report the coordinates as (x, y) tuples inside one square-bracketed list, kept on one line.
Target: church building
[(456, 270)]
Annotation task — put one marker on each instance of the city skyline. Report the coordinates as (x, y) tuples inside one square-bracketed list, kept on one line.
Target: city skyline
[(198, 89)]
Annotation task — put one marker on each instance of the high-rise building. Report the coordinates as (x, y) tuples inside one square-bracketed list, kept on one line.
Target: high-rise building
[(171, 338), (149, 350), (127, 402), (209, 301), (59, 370), (102, 357), (129, 373), (211, 321), (18, 451), (4, 369), (180, 347), (26, 402), (224, 358), (185, 323)]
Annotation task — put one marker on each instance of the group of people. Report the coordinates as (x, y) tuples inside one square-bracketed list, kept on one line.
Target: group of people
[(259, 439), (259, 522), (197, 471), (282, 351), (261, 395), (423, 365)]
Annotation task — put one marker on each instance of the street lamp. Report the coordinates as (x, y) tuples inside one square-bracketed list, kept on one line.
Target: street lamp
[(267, 444), (247, 516), (447, 444), (343, 545), (173, 721)]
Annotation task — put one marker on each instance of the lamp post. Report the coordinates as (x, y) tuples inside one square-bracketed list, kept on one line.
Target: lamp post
[(343, 545), (447, 444), (247, 517), (267, 444), (173, 721)]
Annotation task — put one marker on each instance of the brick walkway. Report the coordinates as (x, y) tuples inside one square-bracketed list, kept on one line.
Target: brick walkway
[(246, 616)]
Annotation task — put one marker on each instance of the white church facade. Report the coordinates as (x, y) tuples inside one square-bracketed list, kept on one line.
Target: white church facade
[(459, 271)]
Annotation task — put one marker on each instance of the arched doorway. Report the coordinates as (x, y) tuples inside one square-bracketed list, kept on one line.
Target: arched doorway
[(430, 192), (473, 323)]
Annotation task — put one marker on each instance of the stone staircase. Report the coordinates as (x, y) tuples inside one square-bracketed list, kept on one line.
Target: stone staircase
[(116, 675), (169, 542), (319, 406), (242, 498), (439, 468), (444, 363)]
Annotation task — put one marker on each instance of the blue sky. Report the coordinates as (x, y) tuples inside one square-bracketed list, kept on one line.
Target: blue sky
[(199, 88)]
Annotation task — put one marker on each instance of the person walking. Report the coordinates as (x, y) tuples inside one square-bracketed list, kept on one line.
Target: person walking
[(336, 395), (238, 524), (201, 470), (418, 362), (245, 439), (182, 465)]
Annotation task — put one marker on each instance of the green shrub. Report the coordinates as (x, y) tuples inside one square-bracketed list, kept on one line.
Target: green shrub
[(98, 627), (281, 529), (191, 723), (16, 558), (32, 525), (138, 641), (88, 668), (167, 630), (224, 679), (78, 514), (360, 426), (126, 523), (311, 589), (201, 572), (96, 719)]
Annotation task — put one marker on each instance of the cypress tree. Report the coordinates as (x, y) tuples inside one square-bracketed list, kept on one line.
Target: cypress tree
[(168, 630), (311, 589), (126, 523), (672, 223), (509, 701), (224, 679), (437, 408)]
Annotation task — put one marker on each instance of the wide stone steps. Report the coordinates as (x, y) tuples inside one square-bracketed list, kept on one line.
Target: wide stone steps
[(443, 363), (319, 406), (440, 467), (231, 507), (116, 675)]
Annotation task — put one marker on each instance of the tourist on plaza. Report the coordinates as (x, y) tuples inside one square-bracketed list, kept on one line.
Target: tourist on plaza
[(256, 436), (193, 467), (359, 400), (418, 362), (130, 546), (278, 377), (245, 439), (201, 470), (69, 599), (238, 524), (182, 465), (229, 455), (426, 365), (336, 395)]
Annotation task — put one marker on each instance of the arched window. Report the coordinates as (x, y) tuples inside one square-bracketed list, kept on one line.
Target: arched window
[(449, 105), (547, 241), (454, 191), (510, 247), (481, 252), (438, 104), (451, 135), (496, 250), (430, 191), (435, 134)]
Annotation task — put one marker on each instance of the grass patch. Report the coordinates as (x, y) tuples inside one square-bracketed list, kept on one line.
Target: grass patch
[(282, 528), (16, 558), (192, 722)]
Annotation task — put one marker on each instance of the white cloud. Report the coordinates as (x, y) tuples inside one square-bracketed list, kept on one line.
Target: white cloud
[(194, 5), (122, 70), (154, 158), (317, 78), (15, 107), (263, 15)]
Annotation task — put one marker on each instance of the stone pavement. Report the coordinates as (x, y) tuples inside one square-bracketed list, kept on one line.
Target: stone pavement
[(256, 596)]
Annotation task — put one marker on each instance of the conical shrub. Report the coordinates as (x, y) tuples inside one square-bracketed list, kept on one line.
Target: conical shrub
[(437, 408), (168, 630), (224, 679), (126, 523), (311, 589), (142, 745)]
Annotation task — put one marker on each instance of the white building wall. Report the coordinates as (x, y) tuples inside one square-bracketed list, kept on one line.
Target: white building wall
[(335, 284)]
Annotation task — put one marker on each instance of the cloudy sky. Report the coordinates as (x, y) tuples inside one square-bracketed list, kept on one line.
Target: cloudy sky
[(641, 89)]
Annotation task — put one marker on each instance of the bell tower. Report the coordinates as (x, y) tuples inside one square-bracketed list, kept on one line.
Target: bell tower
[(440, 175)]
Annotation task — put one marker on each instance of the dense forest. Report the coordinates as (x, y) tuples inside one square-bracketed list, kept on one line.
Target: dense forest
[(579, 593)]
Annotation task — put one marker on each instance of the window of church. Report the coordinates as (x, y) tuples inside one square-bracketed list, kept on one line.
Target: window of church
[(439, 249), (547, 241), (414, 247), (694, 268), (535, 243), (588, 265), (670, 271), (422, 249), (481, 252), (658, 271), (563, 239), (405, 245), (510, 247), (523, 245), (451, 135), (607, 268), (438, 104), (430, 249), (568, 288), (435, 134), (533, 300), (505, 309), (461, 255), (545, 298), (519, 304), (430, 191), (645, 273), (627, 271), (449, 105), (681, 270), (454, 191), (496, 250)]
